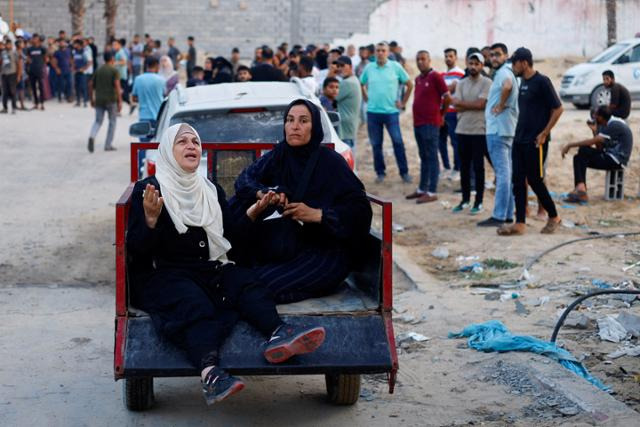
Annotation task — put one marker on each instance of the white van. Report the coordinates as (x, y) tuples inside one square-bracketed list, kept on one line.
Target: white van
[(582, 84)]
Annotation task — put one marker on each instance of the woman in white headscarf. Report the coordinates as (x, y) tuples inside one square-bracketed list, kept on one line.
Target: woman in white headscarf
[(178, 238), (169, 73)]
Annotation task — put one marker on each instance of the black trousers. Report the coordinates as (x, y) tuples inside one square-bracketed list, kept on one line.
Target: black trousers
[(36, 88), (9, 90), (526, 169), (589, 157), (197, 311), (473, 149)]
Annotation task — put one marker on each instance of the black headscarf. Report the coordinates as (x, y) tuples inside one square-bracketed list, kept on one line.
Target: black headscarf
[(292, 161)]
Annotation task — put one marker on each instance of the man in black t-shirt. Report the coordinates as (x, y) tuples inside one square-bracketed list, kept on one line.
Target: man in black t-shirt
[(265, 71), (36, 55), (540, 109), (609, 149), (620, 103)]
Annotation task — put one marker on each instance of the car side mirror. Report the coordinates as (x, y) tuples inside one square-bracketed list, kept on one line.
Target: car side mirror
[(141, 130), (334, 117)]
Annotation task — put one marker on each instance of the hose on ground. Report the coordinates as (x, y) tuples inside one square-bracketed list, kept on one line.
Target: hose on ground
[(599, 236), (577, 302)]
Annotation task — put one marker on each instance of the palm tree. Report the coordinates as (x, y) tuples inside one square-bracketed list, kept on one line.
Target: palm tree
[(110, 12), (77, 10)]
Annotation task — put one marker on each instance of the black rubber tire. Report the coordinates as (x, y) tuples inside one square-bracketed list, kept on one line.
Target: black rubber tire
[(343, 389), (581, 106), (137, 393), (598, 97)]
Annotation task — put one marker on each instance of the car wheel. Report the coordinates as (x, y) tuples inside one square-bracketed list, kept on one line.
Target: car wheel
[(581, 106), (600, 96)]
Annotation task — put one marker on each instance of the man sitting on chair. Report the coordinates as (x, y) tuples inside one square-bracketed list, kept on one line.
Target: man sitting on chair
[(609, 149)]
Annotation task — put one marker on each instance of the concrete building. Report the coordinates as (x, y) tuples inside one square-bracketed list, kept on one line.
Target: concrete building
[(548, 27)]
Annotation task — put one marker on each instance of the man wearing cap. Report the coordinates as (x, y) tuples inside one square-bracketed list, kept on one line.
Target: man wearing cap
[(540, 108), (501, 116), (380, 81), (349, 99)]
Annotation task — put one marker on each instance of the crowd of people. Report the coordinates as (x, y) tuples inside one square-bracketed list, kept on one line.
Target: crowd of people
[(498, 107)]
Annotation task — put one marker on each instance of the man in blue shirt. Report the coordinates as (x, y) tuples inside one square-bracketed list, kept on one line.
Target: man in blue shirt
[(501, 115), (148, 92), (62, 69), (122, 65), (381, 80)]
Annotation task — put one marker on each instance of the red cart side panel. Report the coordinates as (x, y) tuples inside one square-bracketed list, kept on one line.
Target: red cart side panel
[(122, 214), (119, 347)]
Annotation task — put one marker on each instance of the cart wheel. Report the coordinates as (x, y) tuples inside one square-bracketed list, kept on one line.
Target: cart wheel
[(343, 389), (137, 393)]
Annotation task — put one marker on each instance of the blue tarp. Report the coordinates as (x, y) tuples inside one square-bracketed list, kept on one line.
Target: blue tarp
[(494, 336)]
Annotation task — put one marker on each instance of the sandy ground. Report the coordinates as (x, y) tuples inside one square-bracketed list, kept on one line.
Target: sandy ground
[(426, 227), (57, 273)]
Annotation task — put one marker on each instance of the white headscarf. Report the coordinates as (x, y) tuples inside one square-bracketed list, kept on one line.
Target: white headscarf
[(166, 67), (190, 198)]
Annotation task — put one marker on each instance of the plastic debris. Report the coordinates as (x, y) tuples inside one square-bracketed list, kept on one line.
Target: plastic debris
[(611, 330), (568, 207), (506, 296), (494, 336), (629, 267), (476, 267), (542, 301), (411, 337), (601, 284), (567, 223), (398, 228), (625, 351), (440, 252), (630, 322)]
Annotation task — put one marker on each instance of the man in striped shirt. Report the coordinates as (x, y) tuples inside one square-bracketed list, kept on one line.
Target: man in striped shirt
[(448, 129)]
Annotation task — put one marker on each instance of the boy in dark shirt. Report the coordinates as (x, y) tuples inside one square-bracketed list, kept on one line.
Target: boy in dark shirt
[(330, 90), (197, 77), (540, 109)]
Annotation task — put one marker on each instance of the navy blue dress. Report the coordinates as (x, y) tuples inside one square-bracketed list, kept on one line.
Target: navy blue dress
[(328, 247)]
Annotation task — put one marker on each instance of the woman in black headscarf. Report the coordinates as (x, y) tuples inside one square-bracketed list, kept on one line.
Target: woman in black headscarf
[(333, 211)]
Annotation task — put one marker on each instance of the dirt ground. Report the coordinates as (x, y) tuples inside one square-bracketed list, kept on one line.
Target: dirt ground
[(560, 276), (57, 275)]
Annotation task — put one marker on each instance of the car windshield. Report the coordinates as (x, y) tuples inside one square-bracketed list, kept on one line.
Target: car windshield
[(234, 126), (609, 53)]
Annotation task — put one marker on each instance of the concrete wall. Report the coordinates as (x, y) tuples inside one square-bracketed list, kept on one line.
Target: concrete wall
[(217, 25), (550, 28)]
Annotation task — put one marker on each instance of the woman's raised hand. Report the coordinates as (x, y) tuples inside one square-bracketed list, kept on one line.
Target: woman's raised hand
[(271, 198), (152, 203)]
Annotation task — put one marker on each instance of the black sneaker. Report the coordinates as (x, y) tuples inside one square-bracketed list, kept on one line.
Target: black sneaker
[(289, 340), (90, 145), (491, 222), (218, 385)]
